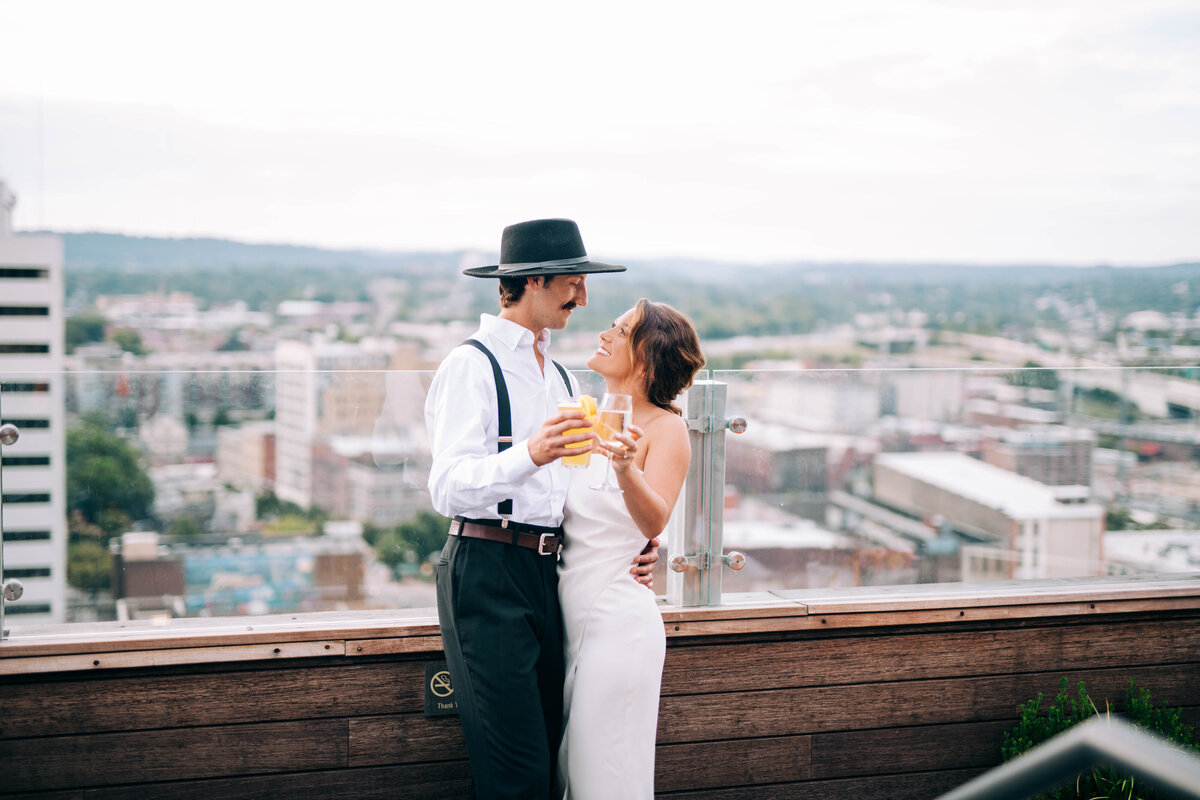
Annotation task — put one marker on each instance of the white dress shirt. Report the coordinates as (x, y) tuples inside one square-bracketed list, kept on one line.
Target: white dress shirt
[(468, 477)]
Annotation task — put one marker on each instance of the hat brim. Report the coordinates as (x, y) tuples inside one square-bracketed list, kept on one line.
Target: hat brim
[(585, 268)]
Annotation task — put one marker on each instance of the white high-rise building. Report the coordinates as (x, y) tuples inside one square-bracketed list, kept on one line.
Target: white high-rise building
[(31, 397), (322, 389)]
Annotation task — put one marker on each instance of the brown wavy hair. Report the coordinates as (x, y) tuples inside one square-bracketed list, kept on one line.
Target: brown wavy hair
[(664, 343)]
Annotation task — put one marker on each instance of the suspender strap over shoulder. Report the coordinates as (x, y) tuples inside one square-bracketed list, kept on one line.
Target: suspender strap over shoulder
[(504, 411), (563, 372)]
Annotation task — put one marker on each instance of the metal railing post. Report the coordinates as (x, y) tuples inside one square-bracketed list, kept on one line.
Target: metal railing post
[(11, 589), (695, 545), (1100, 741)]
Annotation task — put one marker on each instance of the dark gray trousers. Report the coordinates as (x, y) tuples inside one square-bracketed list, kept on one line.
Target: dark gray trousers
[(503, 637)]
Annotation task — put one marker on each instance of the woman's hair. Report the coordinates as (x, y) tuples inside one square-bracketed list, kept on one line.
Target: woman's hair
[(664, 343)]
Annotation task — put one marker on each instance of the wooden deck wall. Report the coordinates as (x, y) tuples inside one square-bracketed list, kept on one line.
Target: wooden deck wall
[(781, 699)]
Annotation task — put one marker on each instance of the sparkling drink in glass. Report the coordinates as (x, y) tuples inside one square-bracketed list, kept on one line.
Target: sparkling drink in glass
[(613, 417)]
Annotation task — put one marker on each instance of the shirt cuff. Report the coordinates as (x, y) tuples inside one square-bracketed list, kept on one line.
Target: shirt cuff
[(516, 464)]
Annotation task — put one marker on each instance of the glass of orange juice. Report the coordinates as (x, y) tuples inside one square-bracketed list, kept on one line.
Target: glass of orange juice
[(586, 404)]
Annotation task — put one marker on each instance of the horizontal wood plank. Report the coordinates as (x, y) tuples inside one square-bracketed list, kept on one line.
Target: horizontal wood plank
[(408, 644), (132, 659), (882, 655), (923, 749), (60, 762), (882, 619), (100, 637), (445, 781), (879, 787), (405, 738), (731, 763), (66, 706), (788, 712)]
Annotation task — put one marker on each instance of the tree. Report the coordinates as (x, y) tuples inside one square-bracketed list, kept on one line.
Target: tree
[(105, 478), (128, 340), (409, 542), (83, 329), (425, 534), (221, 417), (185, 528), (89, 566)]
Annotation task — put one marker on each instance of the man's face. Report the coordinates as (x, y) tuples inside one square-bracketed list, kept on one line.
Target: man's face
[(557, 297)]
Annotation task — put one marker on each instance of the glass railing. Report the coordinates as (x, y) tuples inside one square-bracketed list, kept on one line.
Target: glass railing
[(136, 493)]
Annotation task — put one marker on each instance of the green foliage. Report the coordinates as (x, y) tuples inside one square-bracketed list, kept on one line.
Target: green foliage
[(128, 340), (89, 566), (1118, 519), (283, 516), (412, 542), (83, 329), (269, 505), (1101, 783), (1100, 395), (185, 528), (1035, 375), (221, 417), (105, 480)]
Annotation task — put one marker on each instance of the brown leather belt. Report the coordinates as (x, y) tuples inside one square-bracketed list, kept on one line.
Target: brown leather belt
[(542, 540)]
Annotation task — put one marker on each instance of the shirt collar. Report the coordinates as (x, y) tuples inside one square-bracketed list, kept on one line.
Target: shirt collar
[(511, 334)]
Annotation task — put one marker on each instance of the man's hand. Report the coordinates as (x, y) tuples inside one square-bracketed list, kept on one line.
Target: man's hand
[(643, 565), (550, 441)]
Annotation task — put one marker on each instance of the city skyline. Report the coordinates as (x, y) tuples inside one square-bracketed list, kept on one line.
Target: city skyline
[(1057, 132)]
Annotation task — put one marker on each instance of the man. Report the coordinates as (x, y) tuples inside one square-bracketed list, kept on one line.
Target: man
[(496, 438)]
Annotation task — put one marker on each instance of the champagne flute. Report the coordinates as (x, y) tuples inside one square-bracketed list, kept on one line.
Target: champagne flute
[(613, 417)]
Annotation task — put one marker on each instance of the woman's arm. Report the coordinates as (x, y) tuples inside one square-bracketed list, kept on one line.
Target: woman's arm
[(651, 480)]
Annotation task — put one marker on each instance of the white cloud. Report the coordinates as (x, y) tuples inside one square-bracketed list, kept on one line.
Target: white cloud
[(769, 129)]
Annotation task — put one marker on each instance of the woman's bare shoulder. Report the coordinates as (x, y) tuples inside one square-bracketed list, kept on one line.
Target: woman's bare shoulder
[(665, 425)]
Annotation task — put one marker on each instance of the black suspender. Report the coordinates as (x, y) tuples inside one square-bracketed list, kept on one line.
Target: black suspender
[(504, 410), (563, 371)]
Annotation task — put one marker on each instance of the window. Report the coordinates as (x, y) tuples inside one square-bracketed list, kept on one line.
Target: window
[(26, 461), (24, 387), (26, 498), (26, 572), (23, 349), (24, 311), (30, 608), (23, 272), (27, 536), (29, 423)]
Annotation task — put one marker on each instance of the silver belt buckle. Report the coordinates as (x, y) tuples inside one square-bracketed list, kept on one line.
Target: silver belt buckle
[(542, 551)]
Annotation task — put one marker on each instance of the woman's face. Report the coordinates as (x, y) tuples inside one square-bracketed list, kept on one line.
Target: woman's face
[(613, 357)]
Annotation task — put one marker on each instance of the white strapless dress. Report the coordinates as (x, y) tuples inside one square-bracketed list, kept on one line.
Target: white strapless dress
[(614, 643)]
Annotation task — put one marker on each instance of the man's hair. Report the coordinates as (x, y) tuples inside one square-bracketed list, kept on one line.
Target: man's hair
[(664, 343), (513, 289)]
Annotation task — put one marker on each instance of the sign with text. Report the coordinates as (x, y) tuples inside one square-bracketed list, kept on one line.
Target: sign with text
[(439, 693)]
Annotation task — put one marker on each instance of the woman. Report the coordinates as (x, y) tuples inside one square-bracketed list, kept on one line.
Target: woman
[(614, 633)]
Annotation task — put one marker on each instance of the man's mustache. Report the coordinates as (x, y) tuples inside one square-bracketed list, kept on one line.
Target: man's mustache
[(570, 306)]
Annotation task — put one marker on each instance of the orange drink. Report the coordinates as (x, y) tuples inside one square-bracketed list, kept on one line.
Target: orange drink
[(586, 404)]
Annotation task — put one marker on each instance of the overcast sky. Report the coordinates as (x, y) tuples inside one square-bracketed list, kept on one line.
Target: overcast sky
[(992, 132)]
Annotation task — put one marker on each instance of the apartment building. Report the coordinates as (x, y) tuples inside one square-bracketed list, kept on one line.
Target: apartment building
[(31, 397)]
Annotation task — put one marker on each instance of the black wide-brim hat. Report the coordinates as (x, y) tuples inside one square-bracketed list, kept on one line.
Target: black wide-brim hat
[(542, 247)]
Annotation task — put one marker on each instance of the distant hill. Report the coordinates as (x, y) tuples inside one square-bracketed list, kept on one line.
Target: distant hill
[(110, 250), (89, 251)]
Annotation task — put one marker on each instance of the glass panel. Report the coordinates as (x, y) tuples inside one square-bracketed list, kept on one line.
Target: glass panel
[(250, 489), (895, 476), (246, 490)]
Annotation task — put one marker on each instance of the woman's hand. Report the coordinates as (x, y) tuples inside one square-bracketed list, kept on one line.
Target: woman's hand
[(623, 449)]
